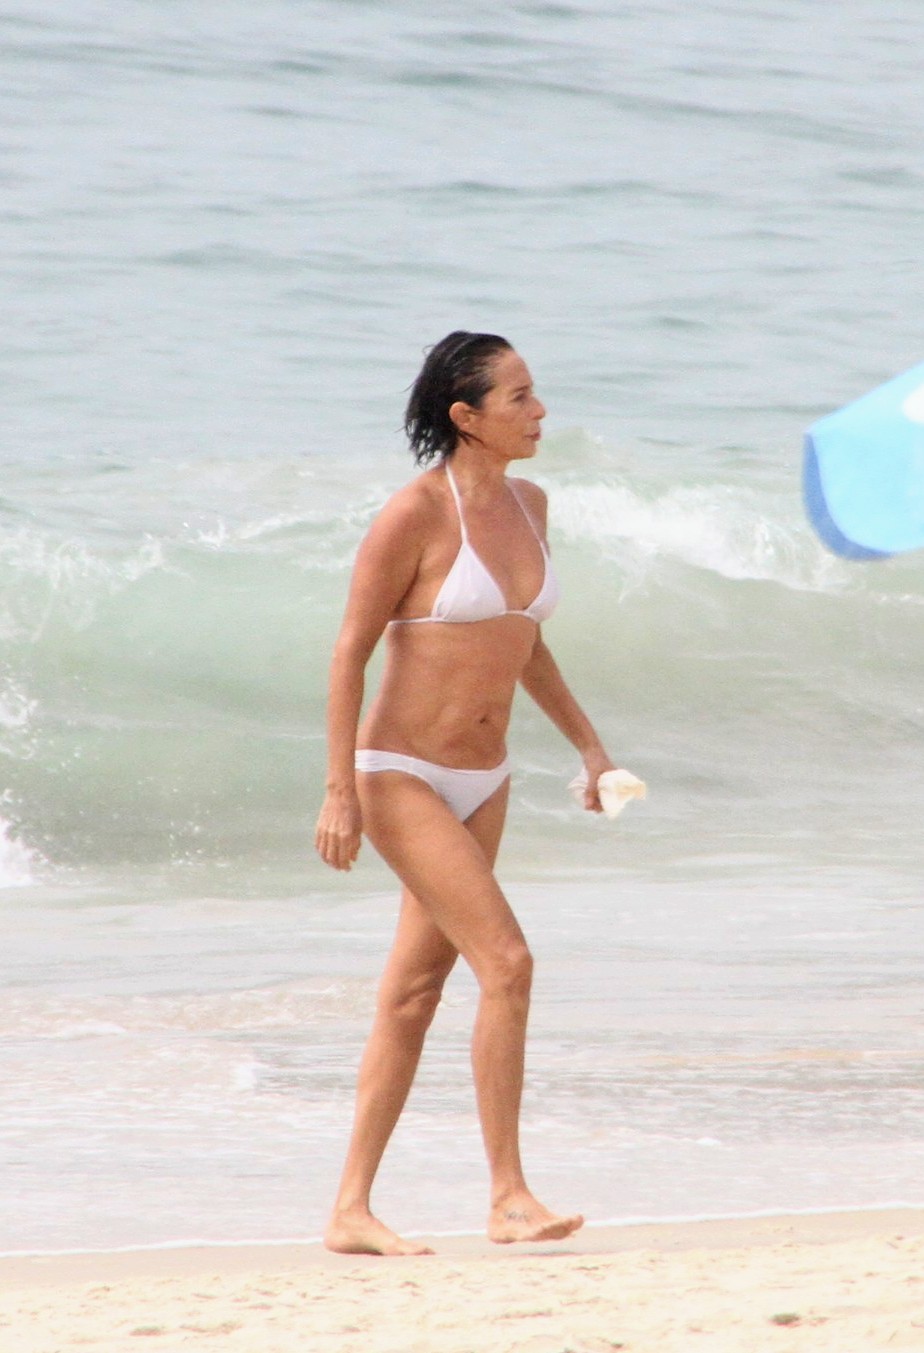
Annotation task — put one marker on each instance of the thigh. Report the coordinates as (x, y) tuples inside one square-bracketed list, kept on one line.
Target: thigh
[(444, 864), (422, 957), (486, 824)]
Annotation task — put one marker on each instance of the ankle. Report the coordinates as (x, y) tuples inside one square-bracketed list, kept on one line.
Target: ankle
[(351, 1207), (505, 1193)]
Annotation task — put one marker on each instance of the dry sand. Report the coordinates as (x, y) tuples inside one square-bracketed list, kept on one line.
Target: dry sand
[(840, 1283)]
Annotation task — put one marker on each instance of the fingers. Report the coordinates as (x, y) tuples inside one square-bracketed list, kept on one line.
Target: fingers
[(595, 766), (336, 853), (338, 849), (349, 849), (338, 833)]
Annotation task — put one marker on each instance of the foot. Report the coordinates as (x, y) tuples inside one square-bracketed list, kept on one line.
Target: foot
[(519, 1217), (356, 1231)]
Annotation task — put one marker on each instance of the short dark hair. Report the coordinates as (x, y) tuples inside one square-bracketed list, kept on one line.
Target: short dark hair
[(456, 368)]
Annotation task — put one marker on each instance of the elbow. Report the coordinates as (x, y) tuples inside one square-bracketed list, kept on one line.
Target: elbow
[(533, 665), (351, 652), (539, 653)]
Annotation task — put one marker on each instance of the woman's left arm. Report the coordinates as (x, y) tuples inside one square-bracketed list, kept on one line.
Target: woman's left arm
[(544, 683)]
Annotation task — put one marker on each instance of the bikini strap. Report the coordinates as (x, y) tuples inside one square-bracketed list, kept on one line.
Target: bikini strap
[(458, 501), (526, 514)]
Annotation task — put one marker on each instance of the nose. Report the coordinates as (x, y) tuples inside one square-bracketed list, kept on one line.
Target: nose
[(540, 407)]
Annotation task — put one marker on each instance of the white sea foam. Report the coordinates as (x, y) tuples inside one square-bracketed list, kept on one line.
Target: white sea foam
[(17, 861), (723, 529), (16, 710), (52, 574)]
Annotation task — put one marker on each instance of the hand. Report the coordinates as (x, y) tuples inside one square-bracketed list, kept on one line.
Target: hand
[(339, 830), (595, 764)]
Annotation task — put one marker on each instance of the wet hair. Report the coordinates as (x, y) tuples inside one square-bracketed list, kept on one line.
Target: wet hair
[(456, 368)]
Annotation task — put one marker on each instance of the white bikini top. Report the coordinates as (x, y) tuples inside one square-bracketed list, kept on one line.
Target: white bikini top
[(470, 593)]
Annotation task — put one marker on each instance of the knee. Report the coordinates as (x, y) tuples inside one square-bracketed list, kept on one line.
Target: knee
[(413, 1007), (510, 973)]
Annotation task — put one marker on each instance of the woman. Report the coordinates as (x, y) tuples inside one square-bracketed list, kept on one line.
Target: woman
[(455, 570)]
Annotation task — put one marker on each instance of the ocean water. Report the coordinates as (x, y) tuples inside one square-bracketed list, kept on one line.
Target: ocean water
[(227, 238)]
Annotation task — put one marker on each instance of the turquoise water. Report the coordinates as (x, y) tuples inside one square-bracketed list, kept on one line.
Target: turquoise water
[(227, 240)]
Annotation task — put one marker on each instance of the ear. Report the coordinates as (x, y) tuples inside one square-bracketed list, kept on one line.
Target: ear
[(463, 415)]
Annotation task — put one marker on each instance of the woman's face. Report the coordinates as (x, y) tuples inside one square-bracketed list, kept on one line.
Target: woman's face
[(508, 421)]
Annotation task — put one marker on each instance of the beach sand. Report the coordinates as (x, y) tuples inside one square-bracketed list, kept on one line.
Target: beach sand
[(835, 1283)]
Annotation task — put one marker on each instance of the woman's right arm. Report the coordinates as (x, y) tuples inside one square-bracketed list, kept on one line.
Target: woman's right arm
[(385, 567), (339, 827)]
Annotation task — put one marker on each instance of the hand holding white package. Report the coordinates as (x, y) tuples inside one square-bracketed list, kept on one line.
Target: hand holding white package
[(615, 787)]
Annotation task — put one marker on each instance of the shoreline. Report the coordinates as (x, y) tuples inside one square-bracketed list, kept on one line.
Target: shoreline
[(835, 1281), (812, 1226)]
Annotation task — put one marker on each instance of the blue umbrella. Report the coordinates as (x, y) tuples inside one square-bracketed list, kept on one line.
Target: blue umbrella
[(863, 476)]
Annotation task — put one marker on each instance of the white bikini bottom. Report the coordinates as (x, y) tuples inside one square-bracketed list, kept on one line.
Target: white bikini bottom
[(463, 791)]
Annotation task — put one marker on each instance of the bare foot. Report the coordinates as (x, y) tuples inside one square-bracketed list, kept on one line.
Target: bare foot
[(520, 1217), (356, 1231)]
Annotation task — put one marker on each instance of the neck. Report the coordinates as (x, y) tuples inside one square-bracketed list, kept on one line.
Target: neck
[(476, 473)]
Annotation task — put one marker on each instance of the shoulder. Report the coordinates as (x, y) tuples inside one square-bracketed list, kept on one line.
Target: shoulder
[(390, 553), (409, 514), (418, 503), (532, 497)]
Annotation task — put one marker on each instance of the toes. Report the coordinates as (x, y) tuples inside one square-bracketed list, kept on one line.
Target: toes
[(369, 1236), (559, 1228), (553, 1228)]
